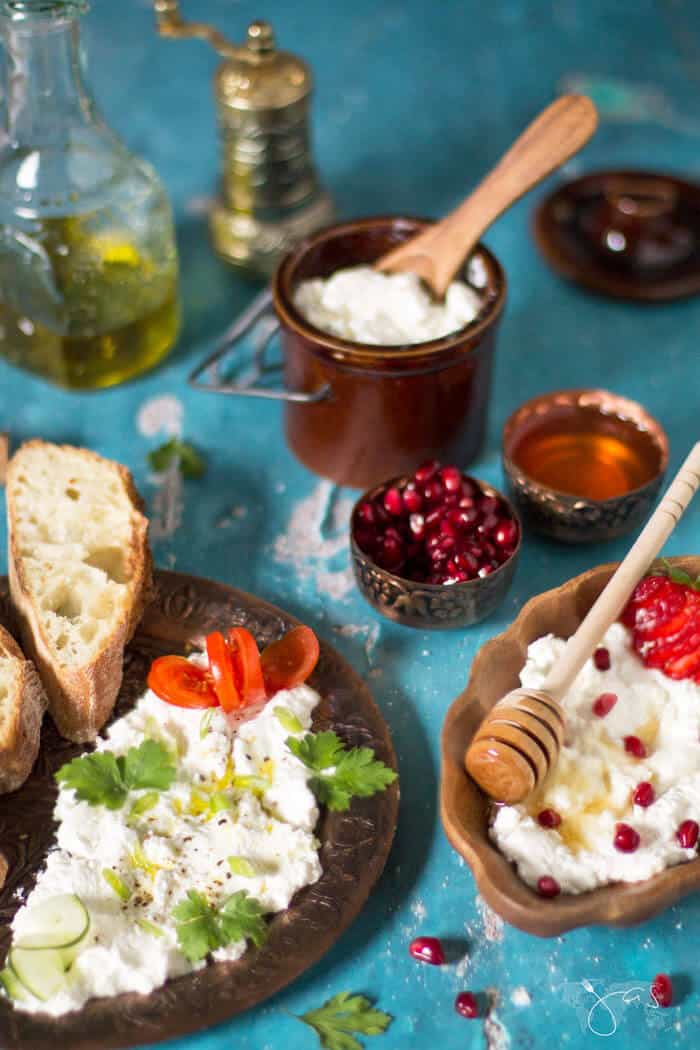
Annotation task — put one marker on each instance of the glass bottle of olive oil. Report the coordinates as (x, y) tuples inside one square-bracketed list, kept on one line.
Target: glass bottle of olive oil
[(88, 264)]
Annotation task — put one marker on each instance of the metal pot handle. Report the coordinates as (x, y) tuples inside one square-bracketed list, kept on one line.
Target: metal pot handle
[(258, 313)]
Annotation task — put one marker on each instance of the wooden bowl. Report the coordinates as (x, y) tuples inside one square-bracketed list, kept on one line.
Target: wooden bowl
[(464, 807)]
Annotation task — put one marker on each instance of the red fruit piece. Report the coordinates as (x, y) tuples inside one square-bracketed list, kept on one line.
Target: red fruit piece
[(655, 600), (412, 499), (687, 834), (604, 704), (466, 1005), (425, 471), (601, 658), (451, 478), (548, 887), (644, 794), (635, 747), (365, 514), (548, 818), (506, 533), (683, 666), (626, 838), (662, 990), (393, 502), (427, 950)]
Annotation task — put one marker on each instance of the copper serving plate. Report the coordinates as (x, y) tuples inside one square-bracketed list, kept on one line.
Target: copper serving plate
[(354, 845), (464, 807)]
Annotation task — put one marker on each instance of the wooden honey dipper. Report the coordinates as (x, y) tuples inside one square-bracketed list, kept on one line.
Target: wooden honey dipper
[(519, 740)]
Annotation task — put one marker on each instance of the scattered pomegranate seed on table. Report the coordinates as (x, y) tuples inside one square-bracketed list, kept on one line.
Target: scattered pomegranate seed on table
[(635, 747), (662, 990), (604, 704), (439, 527), (626, 838), (548, 887), (548, 818), (644, 794), (687, 834), (466, 1005), (601, 658), (427, 950)]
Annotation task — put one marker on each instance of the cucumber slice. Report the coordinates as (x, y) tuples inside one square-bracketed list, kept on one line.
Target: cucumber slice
[(60, 922), (12, 984), (42, 972)]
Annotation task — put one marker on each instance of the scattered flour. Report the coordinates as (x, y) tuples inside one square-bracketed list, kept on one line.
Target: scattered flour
[(492, 923), (162, 414), (370, 632), (495, 1033), (316, 534), (419, 910), (520, 996)]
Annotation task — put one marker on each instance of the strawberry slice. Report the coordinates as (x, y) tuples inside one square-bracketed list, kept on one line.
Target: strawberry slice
[(664, 615), (683, 666)]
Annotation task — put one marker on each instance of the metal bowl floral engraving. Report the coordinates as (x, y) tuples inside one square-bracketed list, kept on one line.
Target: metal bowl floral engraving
[(354, 845)]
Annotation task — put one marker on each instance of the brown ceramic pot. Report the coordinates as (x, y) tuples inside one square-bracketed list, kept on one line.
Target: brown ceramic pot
[(381, 410)]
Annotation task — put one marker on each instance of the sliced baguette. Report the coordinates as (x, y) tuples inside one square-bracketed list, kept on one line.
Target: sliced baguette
[(80, 575), (3, 870), (22, 706)]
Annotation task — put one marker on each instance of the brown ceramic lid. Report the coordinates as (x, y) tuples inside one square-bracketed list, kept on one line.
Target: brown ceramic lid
[(628, 234)]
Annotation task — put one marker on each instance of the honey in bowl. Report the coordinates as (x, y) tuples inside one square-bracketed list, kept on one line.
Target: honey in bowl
[(579, 450)]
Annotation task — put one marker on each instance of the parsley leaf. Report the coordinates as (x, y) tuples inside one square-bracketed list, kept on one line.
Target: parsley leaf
[(197, 923), (190, 462), (340, 1017), (242, 918), (95, 778), (103, 779), (150, 765), (201, 928), (340, 773)]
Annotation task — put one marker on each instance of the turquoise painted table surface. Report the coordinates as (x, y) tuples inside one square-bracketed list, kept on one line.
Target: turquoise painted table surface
[(414, 101)]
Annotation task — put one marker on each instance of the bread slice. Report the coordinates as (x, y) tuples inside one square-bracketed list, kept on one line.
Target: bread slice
[(22, 706), (3, 871), (80, 575)]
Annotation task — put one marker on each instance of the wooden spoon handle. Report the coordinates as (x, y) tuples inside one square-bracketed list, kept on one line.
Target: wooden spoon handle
[(613, 598), (557, 133)]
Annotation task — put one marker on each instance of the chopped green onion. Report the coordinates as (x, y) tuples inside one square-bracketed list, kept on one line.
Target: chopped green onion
[(150, 927), (114, 882), (219, 801), (205, 722), (242, 866), (251, 783), (288, 720), (142, 805)]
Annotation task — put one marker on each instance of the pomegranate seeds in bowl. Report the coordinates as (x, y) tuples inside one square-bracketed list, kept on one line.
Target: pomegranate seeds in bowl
[(438, 530)]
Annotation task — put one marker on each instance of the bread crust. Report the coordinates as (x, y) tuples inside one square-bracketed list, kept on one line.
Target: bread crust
[(81, 698), (3, 871), (20, 744)]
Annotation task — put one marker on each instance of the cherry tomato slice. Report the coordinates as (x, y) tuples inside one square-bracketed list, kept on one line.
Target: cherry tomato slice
[(179, 682), (246, 665), (290, 661), (222, 672)]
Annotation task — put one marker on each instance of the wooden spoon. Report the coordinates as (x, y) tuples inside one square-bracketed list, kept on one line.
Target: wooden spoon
[(437, 254), (518, 742)]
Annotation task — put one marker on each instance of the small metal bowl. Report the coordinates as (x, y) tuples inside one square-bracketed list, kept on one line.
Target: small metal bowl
[(430, 606), (576, 519)]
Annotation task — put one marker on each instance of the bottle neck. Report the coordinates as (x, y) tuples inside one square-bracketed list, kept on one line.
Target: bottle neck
[(45, 88)]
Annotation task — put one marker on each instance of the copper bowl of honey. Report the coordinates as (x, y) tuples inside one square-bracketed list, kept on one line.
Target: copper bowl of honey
[(583, 465)]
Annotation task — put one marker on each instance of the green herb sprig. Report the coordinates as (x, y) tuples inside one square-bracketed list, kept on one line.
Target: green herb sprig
[(340, 773), (341, 1018), (191, 463), (202, 928), (105, 779)]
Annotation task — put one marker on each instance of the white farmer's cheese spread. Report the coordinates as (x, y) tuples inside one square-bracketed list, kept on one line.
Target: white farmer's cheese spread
[(183, 842), (592, 785), (366, 306)]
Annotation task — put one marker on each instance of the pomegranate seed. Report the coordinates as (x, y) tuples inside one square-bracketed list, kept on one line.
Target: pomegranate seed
[(433, 491), (466, 562), (626, 838), (391, 553), (416, 524), (456, 577), (412, 499), (365, 514), (601, 658), (662, 989), (548, 887), (485, 570), (634, 746), (433, 519), (687, 834), (464, 517), (506, 534), (380, 512), (644, 794), (451, 478), (366, 540), (426, 471), (447, 526), (466, 1005), (548, 818), (490, 506), (604, 704), (428, 950), (393, 502)]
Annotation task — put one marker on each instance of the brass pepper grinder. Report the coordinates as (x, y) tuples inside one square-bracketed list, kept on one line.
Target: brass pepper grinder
[(270, 193)]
